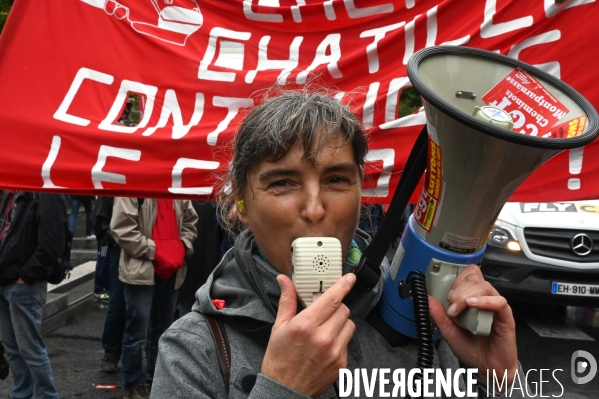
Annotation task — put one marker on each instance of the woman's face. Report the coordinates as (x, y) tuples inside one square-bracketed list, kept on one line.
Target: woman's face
[(292, 198)]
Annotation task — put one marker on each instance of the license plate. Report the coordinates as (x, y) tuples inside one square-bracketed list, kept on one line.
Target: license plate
[(575, 289)]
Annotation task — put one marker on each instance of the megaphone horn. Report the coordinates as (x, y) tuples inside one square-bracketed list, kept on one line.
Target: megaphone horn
[(481, 108)]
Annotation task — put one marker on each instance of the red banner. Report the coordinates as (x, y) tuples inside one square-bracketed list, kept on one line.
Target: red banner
[(68, 69)]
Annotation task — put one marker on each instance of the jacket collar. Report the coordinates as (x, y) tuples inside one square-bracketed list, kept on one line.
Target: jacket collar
[(250, 289)]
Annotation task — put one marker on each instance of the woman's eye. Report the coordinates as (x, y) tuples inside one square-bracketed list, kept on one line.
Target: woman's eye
[(279, 183), (338, 180)]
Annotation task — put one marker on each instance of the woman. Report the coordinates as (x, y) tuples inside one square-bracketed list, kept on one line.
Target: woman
[(298, 172)]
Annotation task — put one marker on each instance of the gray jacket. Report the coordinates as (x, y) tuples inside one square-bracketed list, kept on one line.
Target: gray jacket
[(188, 365)]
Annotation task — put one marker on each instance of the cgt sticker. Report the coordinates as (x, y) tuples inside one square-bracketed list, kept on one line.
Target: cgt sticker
[(428, 204)]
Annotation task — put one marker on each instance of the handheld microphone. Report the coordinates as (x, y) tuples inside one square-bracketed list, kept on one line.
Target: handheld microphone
[(316, 265)]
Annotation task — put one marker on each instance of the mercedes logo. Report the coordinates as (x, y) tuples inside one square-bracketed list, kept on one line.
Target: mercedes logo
[(582, 244)]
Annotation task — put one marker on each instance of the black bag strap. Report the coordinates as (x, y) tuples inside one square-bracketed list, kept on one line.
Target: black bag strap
[(368, 270), (223, 350)]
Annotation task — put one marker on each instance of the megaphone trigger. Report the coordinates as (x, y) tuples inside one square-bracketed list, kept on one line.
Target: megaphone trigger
[(439, 278)]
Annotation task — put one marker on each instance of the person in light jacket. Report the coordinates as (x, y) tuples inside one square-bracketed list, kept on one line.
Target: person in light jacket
[(155, 236)]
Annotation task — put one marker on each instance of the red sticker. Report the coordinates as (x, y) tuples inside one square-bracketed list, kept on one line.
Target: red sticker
[(534, 109), (427, 206)]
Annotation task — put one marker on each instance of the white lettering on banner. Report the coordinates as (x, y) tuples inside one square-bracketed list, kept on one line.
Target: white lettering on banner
[(265, 64), (321, 58), (355, 12), (410, 41), (393, 97), (185, 163), (552, 67), (82, 74), (233, 105), (488, 29), (122, 96), (47, 166), (329, 10), (252, 16), (371, 49), (171, 108), (215, 35), (387, 155), (368, 113), (417, 119), (295, 10), (431, 31), (547, 37), (551, 8), (99, 175)]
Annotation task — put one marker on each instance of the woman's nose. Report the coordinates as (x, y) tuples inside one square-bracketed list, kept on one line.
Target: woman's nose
[(313, 209)]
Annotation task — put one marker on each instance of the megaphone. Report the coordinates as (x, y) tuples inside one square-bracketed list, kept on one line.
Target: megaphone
[(475, 163)]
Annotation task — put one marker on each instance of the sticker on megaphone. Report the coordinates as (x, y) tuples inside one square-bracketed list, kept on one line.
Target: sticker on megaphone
[(533, 108)]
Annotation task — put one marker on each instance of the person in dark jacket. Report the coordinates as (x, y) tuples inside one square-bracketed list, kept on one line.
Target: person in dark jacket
[(32, 238), (112, 338), (206, 254), (86, 201)]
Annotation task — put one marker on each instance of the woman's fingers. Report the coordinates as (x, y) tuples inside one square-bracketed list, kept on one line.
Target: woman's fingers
[(328, 303), (287, 301), (462, 298)]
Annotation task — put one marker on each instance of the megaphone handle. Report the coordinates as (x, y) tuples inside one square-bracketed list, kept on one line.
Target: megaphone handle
[(478, 322)]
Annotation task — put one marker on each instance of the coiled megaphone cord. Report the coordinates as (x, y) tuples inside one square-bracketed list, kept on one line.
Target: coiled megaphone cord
[(424, 332)]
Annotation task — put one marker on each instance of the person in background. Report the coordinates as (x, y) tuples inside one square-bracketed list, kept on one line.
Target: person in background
[(206, 254), (101, 275), (155, 236), (112, 337), (32, 238), (76, 201)]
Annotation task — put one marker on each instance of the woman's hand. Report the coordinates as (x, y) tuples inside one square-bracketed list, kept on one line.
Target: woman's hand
[(497, 351), (306, 350)]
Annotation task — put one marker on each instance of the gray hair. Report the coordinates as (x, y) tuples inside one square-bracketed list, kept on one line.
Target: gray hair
[(308, 118)]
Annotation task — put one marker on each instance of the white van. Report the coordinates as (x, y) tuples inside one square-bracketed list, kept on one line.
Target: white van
[(546, 253)]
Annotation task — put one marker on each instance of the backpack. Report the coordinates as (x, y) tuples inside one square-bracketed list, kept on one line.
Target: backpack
[(63, 267)]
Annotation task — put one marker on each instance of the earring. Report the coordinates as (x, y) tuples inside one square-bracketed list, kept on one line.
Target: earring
[(241, 205)]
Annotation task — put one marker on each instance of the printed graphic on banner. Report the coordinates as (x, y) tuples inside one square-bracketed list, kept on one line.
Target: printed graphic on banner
[(428, 204), (534, 109), (165, 20), (457, 243), (566, 130)]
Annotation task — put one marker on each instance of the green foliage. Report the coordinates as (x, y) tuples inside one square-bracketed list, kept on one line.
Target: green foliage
[(409, 101), (4, 9)]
